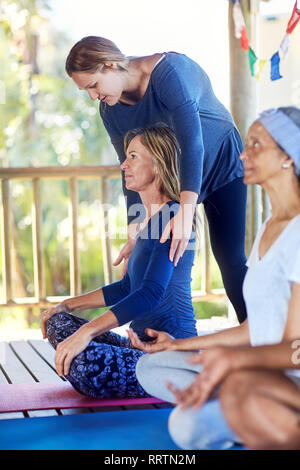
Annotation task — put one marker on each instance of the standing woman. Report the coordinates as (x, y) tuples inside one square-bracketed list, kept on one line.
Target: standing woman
[(173, 89)]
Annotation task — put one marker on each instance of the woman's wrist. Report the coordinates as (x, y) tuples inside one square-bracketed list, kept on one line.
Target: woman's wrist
[(242, 358), (69, 304), (182, 344), (188, 201), (88, 331), (100, 325), (173, 345)]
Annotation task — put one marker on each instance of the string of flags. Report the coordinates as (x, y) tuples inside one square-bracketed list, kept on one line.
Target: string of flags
[(256, 64)]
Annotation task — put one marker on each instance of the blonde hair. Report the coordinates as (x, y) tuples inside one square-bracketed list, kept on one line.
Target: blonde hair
[(91, 53), (161, 142)]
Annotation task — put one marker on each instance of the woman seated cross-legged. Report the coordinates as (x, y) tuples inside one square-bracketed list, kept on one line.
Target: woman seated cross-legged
[(153, 293), (260, 396), (246, 372)]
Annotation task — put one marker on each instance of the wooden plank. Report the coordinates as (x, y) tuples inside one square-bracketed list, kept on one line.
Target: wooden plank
[(42, 413), (37, 366), (17, 373), (47, 352), (3, 379), (61, 172), (13, 367), (15, 415), (199, 295)]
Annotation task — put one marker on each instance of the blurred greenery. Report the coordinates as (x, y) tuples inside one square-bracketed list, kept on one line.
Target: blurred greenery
[(47, 121)]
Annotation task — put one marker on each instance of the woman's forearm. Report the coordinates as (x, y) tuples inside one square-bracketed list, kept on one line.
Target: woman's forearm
[(188, 199), (235, 336), (93, 299), (101, 324), (285, 355)]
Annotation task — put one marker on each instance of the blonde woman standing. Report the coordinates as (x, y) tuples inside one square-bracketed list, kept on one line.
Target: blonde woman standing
[(173, 89)]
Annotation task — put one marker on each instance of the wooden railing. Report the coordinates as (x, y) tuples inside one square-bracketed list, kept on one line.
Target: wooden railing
[(73, 175), (36, 175)]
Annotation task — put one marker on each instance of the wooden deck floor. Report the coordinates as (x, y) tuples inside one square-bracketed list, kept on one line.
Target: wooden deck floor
[(33, 361)]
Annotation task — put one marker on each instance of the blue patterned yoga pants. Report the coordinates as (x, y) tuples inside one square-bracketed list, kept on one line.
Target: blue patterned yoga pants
[(106, 368)]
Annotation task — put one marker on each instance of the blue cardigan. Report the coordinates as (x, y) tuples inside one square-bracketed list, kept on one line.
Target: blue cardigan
[(180, 95), (154, 293)]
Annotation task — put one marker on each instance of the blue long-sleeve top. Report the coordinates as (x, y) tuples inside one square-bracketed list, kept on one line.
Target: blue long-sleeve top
[(180, 95), (154, 293)]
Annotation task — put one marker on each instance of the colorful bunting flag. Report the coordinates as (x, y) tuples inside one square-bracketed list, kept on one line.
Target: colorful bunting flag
[(244, 40), (275, 74), (293, 20), (257, 65), (284, 46), (252, 60), (238, 18), (261, 64)]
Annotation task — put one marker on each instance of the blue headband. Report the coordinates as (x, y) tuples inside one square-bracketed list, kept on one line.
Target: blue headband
[(285, 133)]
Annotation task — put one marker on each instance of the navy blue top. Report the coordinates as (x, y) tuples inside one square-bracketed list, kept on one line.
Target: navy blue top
[(154, 293), (180, 95)]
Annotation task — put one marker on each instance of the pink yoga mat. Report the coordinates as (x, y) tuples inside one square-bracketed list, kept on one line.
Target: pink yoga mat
[(45, 396)]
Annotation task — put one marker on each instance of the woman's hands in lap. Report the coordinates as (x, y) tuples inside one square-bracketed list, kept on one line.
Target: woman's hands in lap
[(70, 348), (218, 362), (161, 341)]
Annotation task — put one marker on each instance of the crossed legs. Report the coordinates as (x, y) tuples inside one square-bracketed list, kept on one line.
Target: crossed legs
[(202, 429), (106, 368), (263, 408)]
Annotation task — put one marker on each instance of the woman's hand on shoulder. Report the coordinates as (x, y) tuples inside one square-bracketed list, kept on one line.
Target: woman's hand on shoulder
[(180, 226), (59, 308), (161, 341)]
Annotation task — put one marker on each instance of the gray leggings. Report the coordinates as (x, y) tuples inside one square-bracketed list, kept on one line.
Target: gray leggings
[(190, 429)]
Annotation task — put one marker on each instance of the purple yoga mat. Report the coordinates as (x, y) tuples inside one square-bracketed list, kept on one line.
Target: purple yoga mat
[(45, 396)]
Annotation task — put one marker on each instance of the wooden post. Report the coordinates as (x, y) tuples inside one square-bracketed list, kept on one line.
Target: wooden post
[(74, 253), (6, 238), (106, 249), (243, 87), (244, 95), (39, 279)]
